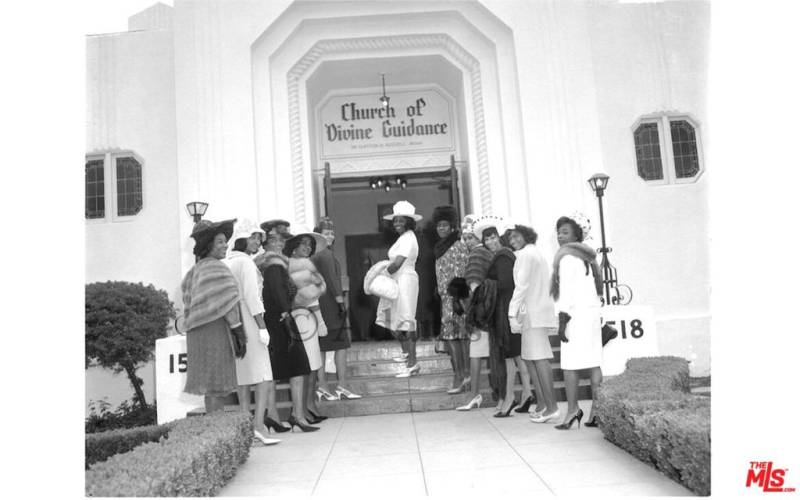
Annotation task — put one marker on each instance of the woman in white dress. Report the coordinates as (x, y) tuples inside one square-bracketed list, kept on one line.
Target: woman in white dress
[(576, 287), (532, 309), (255, 368), (401, 315)]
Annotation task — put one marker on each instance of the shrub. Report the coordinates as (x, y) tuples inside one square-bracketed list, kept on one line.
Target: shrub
[(126, 416), (648, 411), (123, 321), (101, 445), (199, 456)]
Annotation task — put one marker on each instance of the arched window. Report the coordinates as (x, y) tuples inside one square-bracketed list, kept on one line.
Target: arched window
[(113, 186), (667, 149)]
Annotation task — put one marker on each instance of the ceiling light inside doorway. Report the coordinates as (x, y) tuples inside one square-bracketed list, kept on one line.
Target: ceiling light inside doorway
[(384, 100)]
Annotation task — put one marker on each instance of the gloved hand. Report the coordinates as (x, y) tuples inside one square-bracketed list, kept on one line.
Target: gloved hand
[(563, 319), (263, 334), (342, 310), (239, 341), (515, 324), (458, 307)]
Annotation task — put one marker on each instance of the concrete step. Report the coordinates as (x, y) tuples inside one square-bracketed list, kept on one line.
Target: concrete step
[(386, 350), (384, 367)]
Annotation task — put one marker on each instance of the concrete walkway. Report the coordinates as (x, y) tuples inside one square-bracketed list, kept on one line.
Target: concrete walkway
[(445, 453)]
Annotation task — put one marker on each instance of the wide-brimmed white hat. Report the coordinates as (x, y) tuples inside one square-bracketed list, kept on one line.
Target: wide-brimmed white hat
[(244, 228), (405, 209), (302, 230), (484, 222)]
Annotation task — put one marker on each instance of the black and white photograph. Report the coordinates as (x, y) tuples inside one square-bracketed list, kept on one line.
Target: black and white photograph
[(337, 248)]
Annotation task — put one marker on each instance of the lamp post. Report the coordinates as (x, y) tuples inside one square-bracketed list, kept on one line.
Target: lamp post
[(196, 209), (598, 183)]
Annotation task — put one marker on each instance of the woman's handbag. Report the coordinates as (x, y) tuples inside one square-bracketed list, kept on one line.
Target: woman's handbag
[(378, 282), (608, 333)]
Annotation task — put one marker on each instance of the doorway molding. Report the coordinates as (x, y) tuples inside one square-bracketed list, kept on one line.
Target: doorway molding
[(286, 54), (322, 51)]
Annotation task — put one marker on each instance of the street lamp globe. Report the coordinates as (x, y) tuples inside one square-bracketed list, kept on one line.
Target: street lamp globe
[(598, 183)]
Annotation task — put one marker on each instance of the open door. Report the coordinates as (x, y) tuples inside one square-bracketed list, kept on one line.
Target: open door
[(327, 202), (455, 195)]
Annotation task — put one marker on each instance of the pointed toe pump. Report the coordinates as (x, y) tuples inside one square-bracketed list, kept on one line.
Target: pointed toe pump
[(568, 424)]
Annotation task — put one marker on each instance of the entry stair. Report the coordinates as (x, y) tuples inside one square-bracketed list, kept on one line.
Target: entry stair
[(371, 373)]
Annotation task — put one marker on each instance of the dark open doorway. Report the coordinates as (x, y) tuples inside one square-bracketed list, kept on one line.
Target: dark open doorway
[(363, 239)]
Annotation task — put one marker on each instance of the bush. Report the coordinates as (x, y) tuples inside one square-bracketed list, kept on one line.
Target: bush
[(123, 321), (101, 445), (126, 416), (648, 411), (199, 456)]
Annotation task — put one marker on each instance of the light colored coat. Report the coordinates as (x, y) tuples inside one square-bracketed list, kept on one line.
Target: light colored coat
[(532, 289), (255, 367)]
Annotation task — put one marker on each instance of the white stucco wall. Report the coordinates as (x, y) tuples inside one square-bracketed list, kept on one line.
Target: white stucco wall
[(130, 100)]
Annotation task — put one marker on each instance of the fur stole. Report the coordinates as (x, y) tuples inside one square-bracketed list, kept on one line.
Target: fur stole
[(587, 255), (310, 282), (477, 264), (443, 245), (267, 259), (209, 291)]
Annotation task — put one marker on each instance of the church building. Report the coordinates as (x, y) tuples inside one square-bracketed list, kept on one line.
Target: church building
[(296, 109)]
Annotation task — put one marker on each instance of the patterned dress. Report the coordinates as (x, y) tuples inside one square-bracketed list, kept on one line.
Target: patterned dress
[(450, 265)]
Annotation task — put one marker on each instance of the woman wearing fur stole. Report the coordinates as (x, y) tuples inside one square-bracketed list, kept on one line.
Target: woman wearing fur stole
[(214, 333), (576, 287), (310, 286), (287, 353)]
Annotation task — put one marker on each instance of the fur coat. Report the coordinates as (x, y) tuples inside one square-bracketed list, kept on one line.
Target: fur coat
[(310, 282)]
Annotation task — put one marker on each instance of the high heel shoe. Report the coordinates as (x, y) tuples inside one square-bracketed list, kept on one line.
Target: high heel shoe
[(303, 427), (500, 414), (343, 393), (318, 418), (566, 425), (543, 417), (526, 405), (474, 403), (409, 371), (592, 423), (275, 426), (265, 440), (461, 387), (323, 393)]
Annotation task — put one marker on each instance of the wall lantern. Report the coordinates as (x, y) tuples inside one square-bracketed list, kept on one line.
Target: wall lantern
[(197, 209)]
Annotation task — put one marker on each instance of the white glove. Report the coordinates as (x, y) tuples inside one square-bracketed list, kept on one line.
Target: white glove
[(263, 334), (515, 324)]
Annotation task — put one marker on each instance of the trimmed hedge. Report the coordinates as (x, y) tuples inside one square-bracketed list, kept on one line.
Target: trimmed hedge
[(101, 445), (649, 412), (199, 456)]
